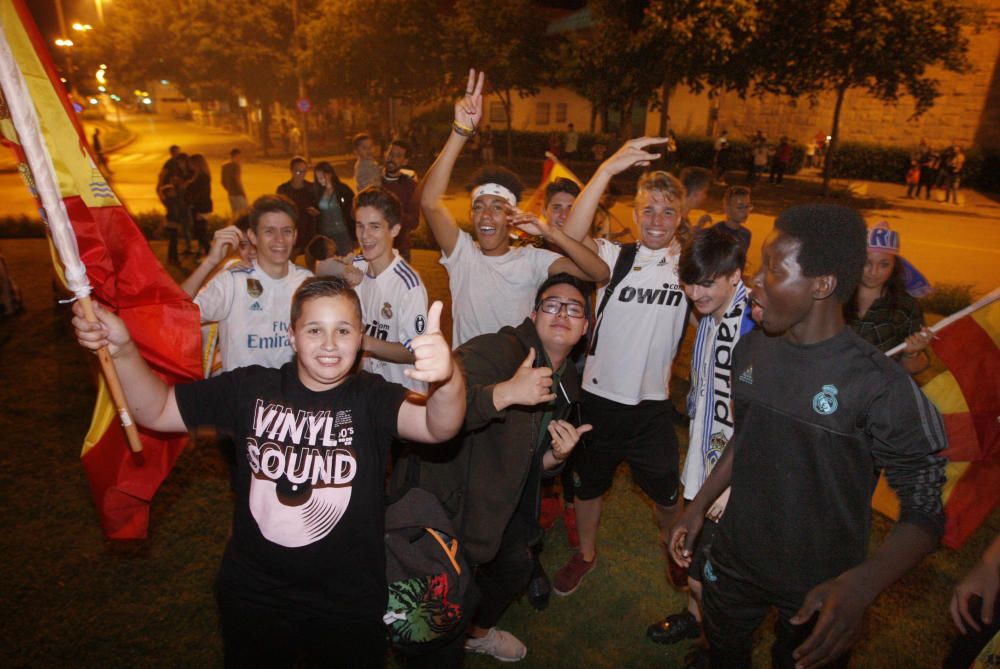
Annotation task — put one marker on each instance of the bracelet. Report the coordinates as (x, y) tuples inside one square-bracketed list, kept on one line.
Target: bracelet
[(462, 130)]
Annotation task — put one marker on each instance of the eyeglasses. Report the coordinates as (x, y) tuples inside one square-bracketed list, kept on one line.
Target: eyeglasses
[(554, 307)]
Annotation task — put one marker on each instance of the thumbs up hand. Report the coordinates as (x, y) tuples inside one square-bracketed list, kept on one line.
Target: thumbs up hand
[(433, 363), (529, 386)]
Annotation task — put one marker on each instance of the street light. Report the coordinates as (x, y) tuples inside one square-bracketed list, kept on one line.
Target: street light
[(82, 27), (66, 43)]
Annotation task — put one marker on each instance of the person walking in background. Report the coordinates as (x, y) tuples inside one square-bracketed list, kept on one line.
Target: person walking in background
[(335, 202), (102, 160), (571, 142), (953, 171), (927, 160), (402, 183), (198, 192), (758, 148), (232, 181), (171, 192), (912, 178), (305, 195), (721, 158), (366, 169), (782, 159)]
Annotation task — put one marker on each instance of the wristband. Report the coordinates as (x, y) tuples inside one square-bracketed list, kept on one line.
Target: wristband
[(462, 130)]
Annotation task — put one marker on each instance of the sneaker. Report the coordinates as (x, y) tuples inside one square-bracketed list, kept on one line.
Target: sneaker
[(498, 644), (567, 579), (675, 627), (550, 512), (569, 520)]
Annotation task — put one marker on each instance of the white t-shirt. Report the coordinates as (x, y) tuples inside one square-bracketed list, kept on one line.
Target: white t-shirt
[(640, 329), (489, 292), (394, 309), (252, 310)]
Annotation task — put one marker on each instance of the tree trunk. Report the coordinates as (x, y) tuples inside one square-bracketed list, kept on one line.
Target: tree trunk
[(505, 100), (834, 139), (665, 90), (625, 130), (265, 127), (593, 118)]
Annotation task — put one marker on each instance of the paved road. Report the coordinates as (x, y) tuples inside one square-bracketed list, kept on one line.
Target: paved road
[(949, 244)]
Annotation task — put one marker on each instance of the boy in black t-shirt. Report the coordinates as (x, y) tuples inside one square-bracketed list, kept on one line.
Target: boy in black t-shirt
[(303, 575), (818, 413)]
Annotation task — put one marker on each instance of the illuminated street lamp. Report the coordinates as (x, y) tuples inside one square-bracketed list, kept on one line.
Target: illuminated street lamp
[(82, 27), (65, 43)]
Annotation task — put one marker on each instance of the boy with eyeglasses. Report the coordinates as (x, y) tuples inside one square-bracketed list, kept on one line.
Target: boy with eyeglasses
[(518, 428)]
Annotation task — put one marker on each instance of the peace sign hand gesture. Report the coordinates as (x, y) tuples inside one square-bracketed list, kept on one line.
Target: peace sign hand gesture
[(469, 108)]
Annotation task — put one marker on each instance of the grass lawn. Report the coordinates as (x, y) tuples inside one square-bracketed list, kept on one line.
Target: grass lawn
[(71, 598)]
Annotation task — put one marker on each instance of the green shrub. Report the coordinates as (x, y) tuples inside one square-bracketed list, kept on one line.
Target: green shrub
[(21, 227), (871, 162), (947, 299)]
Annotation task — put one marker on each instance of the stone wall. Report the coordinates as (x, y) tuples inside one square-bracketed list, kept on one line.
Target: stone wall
[(967, 111)]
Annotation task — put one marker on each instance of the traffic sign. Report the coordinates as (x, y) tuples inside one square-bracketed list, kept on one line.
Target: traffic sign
[(304, 105)]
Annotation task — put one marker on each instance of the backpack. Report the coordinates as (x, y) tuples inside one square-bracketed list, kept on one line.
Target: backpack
[(427, 574), (623, 265)]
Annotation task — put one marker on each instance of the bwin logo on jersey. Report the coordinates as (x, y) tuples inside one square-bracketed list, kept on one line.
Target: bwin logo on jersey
[(825, 401), (667, 295), (256, 307)]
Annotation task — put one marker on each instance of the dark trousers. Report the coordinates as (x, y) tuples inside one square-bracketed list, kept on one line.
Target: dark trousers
[(777, 172), (733, 609), (255, 636), (966, 648), (172, 255), (503, 578)]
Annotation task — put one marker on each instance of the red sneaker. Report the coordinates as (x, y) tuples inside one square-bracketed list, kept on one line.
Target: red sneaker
[(567, 579), (569, 520), (551, 510)]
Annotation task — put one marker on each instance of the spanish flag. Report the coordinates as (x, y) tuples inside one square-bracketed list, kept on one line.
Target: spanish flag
[(967, 394), (100, 253), (552, 169)]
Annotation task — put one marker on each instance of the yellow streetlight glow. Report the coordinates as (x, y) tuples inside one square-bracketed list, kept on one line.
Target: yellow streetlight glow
[(82, 27), (64, 42), (100, 76)]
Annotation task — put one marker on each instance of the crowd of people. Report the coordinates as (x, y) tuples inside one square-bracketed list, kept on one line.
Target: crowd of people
[(559, 364)]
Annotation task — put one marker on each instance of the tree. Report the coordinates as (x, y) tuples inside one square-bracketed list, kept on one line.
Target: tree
[(507, 40), (883, 47), (639, 51), (698, 44), (376, 51)]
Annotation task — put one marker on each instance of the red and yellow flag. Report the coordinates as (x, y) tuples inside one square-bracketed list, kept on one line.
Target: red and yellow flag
[(552, 169), (122, 270), (968, 397)]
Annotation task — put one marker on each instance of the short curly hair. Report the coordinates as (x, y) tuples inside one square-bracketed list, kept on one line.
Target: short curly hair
[(832, 239), (494, 174)]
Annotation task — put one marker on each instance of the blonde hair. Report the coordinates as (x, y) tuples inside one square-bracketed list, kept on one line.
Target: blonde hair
[(671, 188)]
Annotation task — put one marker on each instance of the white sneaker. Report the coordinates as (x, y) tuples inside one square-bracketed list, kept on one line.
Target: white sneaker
[(503, 646)]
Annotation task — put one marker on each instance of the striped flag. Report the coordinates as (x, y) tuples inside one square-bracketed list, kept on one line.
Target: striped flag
[(552, 169), (968, 396), (101, 252)]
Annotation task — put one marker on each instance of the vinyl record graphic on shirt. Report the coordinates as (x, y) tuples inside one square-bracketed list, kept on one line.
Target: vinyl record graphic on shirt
[(295, 515)]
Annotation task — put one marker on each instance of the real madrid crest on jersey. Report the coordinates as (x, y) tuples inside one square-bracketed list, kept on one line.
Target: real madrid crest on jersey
[(825, 401), (254, 288), (386, 310)]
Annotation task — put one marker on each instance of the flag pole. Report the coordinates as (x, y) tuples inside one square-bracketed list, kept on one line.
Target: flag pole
[(22, 113), (986, 300)]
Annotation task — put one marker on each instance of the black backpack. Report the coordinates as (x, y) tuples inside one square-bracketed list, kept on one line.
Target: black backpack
[(427, 574)]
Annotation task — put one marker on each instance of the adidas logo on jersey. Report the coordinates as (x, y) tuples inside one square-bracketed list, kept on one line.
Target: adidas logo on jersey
[(256, 307), (747, 375)]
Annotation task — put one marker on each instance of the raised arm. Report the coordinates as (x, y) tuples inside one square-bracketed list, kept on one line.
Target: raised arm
[(468, 112), (582, 214), (440, 418), (224, 241), (581, 260), (150, 399)]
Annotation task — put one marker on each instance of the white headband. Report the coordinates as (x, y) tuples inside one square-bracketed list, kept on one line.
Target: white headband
[(494, 189)]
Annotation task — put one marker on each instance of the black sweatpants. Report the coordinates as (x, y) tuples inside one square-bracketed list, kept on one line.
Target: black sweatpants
[(733, 608)]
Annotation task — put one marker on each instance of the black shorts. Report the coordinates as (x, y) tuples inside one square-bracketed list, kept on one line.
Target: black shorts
[(642, 434)]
